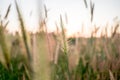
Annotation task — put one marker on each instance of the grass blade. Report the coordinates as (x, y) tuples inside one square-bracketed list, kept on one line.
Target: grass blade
[(23, 31), (111, 75), (8, 10), (4, 46), (91, 9), (86, 5)]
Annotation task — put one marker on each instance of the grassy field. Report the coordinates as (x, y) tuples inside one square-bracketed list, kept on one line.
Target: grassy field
[(53, 56)]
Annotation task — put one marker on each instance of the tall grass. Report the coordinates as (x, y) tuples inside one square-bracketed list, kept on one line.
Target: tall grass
[(76, 58), (24, 37), (14, 67)]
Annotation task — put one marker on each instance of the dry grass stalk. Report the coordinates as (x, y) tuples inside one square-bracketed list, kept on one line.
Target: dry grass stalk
[(57, 45), (107, 52), (7, 12), (23, 32), (111, 75), (3, 40), (56, 53), (95, 31), (91, 9), (86, 5), (33, 44), (4, 47), (115, 30), (47, 36), (29, 69)]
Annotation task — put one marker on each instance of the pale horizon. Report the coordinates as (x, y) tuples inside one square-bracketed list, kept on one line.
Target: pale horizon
[(77, 14)]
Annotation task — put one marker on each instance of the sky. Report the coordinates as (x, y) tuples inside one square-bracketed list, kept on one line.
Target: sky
[(78, 15)]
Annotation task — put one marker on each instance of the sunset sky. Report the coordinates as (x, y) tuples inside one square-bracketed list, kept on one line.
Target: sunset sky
[(78, 15)]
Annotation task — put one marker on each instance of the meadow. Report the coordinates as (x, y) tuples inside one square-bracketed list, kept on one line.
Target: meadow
[(53, 56)]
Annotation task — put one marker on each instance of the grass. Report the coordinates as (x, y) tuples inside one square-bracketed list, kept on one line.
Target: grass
[(31, 57), (15, 65)]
